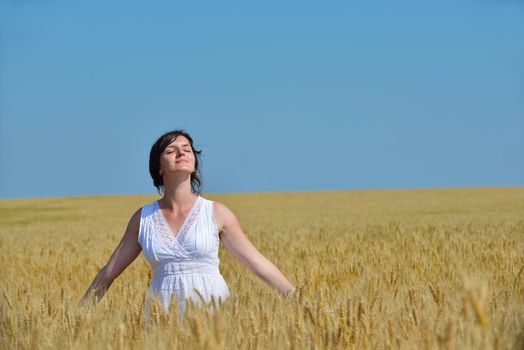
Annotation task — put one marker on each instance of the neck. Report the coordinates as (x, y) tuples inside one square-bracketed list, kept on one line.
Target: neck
[(177, 192)]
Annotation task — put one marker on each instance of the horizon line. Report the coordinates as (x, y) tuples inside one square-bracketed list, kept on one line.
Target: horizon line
[(279, 192)]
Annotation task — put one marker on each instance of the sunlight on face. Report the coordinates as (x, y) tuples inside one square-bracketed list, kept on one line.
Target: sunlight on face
[(178, 156)]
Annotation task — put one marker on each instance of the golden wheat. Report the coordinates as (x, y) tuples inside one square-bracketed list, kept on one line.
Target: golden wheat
[(383, 269)]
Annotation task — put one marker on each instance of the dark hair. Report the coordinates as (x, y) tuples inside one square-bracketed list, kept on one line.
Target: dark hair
[(154, 160)]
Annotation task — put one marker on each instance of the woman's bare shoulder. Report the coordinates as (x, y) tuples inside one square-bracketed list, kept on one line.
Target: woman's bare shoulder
[(223, 215), (221, 209), (134, 221)]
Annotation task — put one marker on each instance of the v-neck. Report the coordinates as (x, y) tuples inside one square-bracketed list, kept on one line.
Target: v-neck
[(184, 223)]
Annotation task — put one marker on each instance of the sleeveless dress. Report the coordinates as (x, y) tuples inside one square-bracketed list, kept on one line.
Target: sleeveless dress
[(183, 262)]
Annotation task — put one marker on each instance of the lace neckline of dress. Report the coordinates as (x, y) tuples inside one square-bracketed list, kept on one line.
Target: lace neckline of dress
[(165, 230)]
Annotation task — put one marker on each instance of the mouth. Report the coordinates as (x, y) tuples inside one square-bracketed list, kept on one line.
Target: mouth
[(181, 161)]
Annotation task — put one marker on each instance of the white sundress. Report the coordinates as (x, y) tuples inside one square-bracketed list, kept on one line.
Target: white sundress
[(183, 262)]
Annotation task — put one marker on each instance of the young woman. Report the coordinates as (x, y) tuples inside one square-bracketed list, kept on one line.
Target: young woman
[(180, 233)]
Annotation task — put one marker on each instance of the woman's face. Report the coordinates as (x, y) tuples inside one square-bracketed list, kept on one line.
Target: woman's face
[(177, 157)]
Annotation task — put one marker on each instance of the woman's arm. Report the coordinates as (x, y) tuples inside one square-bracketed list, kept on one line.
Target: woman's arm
[(124, 254), (239, 245)]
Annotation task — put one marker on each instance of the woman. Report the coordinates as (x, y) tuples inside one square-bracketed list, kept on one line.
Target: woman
[(179, 235)]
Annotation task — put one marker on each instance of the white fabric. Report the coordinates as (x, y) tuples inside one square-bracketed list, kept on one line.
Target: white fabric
[(183, 261)]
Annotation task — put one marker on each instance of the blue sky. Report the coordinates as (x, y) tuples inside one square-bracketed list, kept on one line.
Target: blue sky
[(279, 95)]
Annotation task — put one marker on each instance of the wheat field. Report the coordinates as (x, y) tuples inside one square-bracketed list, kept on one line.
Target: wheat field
[(375, 269)]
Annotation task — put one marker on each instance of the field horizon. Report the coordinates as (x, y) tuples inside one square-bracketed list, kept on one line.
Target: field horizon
[(269, 192)]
